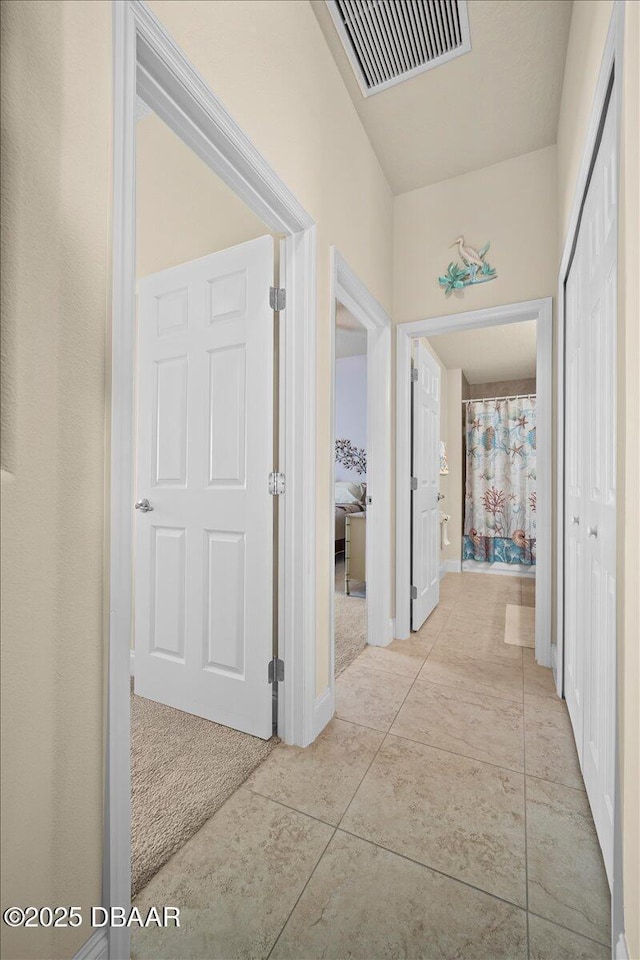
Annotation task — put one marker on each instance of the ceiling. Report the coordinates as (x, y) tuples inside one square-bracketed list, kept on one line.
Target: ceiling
[(351, 337), (498, 101), (504, 352)]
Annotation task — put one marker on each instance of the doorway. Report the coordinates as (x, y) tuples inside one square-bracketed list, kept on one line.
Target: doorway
[(148, 63), (540, 312), (360, 553)]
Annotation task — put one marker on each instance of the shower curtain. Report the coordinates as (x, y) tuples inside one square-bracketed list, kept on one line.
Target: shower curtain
[(500, 493)]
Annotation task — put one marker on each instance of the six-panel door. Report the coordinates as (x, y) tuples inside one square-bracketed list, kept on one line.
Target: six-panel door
[(204, 555)]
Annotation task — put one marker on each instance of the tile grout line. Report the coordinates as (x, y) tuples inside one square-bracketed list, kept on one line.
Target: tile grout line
[(306, 884)]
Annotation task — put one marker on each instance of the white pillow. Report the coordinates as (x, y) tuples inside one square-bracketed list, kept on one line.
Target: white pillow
[(348, 492)]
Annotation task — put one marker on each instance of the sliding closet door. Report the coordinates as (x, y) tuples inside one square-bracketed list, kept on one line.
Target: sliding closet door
[(590, 490), (574, 577), (600, 227)]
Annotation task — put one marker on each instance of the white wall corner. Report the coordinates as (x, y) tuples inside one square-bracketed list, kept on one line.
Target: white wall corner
[(392, 629), (323, 711), (621, 951), (95, 948), (132, 662)]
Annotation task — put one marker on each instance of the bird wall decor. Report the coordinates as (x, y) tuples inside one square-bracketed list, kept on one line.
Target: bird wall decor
[(473, 269)]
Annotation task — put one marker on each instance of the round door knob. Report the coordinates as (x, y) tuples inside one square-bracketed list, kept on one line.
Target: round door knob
[(143, 505), (592, 531)]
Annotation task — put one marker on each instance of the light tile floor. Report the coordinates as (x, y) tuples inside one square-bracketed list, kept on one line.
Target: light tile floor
[(441, 814)]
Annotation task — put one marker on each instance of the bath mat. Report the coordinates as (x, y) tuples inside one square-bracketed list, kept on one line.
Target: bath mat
[(183, 768), (520, 626)]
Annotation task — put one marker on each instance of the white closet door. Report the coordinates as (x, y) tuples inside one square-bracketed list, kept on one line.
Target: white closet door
[(590, 490), (425, 573), (575, 465), (600, 228), (204, 551)]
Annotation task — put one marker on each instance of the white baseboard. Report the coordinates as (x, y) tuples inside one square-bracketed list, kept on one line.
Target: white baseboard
[(132, 663), (323, 710), (95, 948), (450, 566), (621, 951), (502, 569)]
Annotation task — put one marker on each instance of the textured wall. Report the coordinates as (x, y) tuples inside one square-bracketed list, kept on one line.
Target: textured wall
[(56, 88)]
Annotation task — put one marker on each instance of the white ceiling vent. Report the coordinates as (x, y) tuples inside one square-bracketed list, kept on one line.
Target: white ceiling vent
[(388, 41)]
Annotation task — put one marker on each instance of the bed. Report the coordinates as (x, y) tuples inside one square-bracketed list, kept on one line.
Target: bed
[(350, 498)]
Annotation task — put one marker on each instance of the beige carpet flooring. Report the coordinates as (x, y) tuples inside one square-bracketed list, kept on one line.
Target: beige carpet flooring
[(351, 629), (183, 769)]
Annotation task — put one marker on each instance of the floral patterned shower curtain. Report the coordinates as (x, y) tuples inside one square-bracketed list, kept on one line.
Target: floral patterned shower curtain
[(500, 495)]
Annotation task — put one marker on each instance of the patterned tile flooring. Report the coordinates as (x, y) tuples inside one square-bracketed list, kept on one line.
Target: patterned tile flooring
[(441, 814)]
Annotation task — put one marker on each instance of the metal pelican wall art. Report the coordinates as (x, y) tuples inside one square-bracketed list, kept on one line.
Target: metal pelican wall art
[(474, 268)]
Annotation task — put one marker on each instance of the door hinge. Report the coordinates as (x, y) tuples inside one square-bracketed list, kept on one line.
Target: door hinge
[(277, 298), (414, 374), (276, 484), (414, 483), (414, 593), (275, 671)]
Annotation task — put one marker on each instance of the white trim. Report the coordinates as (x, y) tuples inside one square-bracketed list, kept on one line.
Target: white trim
[(521, 570), (95, 948), (147, 60), (392, 629), (539, 310), (450, 566), (348, 289), (132, 662), (323, 710), (621, 950), (611, 64)]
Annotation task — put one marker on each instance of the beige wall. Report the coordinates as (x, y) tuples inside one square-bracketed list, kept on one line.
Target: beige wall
[(56, 89), (183, 210), (511, 204), (270, 65), (589, 25), (503, 388)]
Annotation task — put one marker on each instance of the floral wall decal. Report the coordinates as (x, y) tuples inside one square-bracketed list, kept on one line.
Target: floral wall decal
[(473, 269), (351, 457)]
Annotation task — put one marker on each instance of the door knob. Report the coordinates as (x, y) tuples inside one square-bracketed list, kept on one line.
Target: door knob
[(143, 505), (575, 519), (440, 496), (592, 531)]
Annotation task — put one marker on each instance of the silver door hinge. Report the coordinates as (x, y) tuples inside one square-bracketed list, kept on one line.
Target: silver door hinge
[(414, 593), (275, 672), (414, 374), (276, 484), (414, 483), (277, 298)]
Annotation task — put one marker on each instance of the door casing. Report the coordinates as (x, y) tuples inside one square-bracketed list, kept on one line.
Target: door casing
[(146, 60), (541, 311)]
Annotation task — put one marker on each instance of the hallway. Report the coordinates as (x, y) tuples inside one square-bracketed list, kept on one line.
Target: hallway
[(441, 814)]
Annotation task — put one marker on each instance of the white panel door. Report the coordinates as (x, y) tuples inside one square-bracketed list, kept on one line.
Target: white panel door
[(590, 491), (599, 284), (425, 547), (204, 554), (575, 465)]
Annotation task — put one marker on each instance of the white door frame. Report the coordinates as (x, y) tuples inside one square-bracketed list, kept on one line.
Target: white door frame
[(541, 311), (148, 61), (607, 95), (348, 289)]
